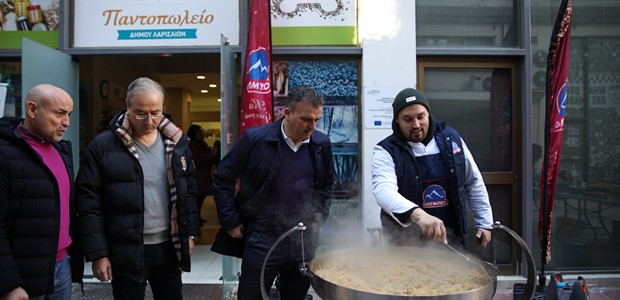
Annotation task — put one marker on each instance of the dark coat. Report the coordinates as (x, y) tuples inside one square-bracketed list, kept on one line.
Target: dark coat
[(254, 160), (203, 159), (109, 189), (30, 215)]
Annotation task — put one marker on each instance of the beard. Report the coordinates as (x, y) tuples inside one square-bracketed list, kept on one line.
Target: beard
[(416, 135)]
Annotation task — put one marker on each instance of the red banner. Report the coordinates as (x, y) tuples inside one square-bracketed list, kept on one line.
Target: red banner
[(556, 96), (256, 95)]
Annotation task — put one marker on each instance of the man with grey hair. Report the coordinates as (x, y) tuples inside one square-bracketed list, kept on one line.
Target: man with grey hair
[(136, 199), (286, 176), (39, 253)]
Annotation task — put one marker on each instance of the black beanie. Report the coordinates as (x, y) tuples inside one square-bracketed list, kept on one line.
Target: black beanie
[(408, 97)]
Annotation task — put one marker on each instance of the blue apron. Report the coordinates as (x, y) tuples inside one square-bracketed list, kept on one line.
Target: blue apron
[(436, 198)]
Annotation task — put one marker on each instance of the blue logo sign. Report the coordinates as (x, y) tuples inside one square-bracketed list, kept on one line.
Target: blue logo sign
[(561, 99), (258, 65), (434, 196)]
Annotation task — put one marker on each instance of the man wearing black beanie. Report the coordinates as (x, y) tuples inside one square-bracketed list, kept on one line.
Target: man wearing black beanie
[(424, 174)]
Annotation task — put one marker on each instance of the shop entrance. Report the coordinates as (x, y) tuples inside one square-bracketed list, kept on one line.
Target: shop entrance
[(192, 86)]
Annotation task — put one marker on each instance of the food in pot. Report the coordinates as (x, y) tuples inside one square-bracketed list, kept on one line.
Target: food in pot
[(401, 271)]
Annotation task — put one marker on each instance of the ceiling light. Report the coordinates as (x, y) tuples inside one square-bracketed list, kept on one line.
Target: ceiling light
[(212, 85), (201, 77), (219, 100), (204, 91)]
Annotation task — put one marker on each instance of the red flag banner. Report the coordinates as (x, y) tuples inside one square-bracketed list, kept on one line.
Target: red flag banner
[(556, 96), (256, 95)]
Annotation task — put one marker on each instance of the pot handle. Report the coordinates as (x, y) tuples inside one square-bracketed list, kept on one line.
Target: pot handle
[(531, 268), (300, 227)]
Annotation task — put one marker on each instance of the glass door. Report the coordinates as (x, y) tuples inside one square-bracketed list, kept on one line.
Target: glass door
[(42, 64), (476, 98), (228, 129)]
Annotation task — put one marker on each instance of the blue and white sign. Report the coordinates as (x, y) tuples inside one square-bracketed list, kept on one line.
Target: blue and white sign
[(148, 23)]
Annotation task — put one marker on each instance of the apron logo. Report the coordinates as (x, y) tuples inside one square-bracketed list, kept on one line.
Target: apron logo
[(434, 196)]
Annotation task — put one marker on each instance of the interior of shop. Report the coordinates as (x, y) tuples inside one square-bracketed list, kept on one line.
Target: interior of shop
[(192, 85)]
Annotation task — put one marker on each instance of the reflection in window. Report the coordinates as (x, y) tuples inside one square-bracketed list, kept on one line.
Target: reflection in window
[(478, 104), (586, 214), (466, 23)]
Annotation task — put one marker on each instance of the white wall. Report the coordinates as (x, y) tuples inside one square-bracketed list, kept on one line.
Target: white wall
[(387, 33)]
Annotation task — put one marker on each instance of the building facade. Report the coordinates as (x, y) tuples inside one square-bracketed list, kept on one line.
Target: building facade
[(481, 64)]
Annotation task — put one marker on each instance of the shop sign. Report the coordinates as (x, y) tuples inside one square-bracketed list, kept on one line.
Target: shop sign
[(148, 23)]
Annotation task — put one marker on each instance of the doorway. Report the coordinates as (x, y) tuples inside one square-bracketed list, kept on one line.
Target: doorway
[(477, 98), (192, 92)]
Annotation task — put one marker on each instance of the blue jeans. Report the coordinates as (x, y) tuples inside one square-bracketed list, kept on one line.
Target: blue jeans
[(62, 282)]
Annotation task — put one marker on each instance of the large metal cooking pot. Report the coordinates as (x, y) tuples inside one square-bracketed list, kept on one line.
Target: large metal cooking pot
[(331, 291)]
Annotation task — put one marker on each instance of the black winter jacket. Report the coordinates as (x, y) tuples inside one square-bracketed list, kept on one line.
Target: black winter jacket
[(30, 215), (255, 161), (109, 189)]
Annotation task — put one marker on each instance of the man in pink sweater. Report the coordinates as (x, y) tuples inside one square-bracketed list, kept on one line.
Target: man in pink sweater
[(37, 251)]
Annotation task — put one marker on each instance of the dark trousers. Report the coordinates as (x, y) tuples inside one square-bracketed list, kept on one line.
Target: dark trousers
[(161, 270), (284, 260), (200, 200)]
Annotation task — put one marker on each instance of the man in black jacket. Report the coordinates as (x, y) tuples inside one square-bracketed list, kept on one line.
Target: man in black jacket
[(286, 176), (137, 199), (39, 255)]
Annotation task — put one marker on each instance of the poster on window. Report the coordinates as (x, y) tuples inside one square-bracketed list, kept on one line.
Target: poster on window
[(37, 20), (324, 22)]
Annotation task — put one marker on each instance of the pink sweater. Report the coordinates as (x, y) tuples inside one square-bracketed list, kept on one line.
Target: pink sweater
[(54, 162)]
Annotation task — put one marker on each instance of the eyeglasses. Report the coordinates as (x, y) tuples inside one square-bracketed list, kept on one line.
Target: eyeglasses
[(144, 116)]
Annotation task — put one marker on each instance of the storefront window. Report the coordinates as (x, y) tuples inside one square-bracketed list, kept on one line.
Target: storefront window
[(10, 89), (466, 23), (478, 103), (586, 214)]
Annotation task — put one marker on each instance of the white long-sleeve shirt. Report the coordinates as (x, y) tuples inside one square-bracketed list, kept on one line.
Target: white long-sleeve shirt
[(385, 185)]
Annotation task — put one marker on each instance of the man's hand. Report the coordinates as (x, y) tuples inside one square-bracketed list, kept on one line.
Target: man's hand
[(102, 269), (16, 294), (237, 232), (192, 244), (483, 236), (431, 226)]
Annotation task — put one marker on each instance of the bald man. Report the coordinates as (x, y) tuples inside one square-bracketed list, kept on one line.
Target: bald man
[(39, 258)]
